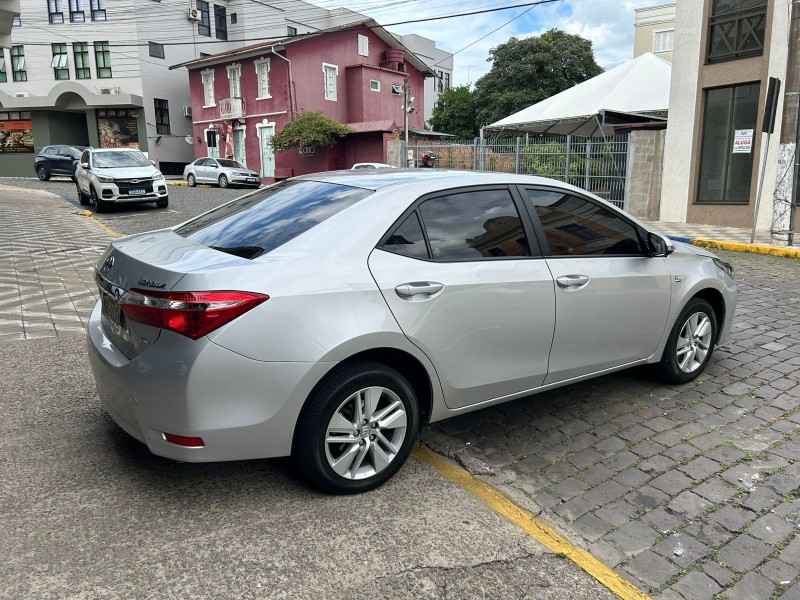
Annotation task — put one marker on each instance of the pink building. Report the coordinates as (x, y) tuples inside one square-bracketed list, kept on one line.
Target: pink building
[(240, 98)]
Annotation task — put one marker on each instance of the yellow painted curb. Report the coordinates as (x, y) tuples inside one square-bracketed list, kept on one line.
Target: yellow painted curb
[(90, 215), (752, 248), (184, 184), (542, 533)]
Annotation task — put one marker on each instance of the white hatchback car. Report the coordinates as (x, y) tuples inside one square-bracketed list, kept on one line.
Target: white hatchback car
[(112, 176), (328, 316)]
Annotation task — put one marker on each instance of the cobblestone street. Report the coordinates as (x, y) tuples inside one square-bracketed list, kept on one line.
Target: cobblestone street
[(688, 491)]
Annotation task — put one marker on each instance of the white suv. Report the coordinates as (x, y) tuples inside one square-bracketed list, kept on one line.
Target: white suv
[(107, 176)]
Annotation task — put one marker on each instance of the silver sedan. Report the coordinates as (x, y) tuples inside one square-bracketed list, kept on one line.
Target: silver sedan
[(328, 316), (220, 171)]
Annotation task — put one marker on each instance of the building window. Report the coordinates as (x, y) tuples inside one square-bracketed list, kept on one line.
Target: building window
[(156, 49), (3, 74), (329, 73), (76, 14), (209, 99), (663, 41), (80, 50), (162, 116), (18, 72), (102, 60), (234, 80), (291, 31), (736, 29), (726, 163), (234, 19), (220, 22), (16, 22), (374, 85), (262, 75), (204, 24), (98, 10), (60, 61), (447, 81), (56, 10), (363, 45)]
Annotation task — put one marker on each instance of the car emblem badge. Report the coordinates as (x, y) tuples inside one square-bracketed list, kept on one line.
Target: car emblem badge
[(152, 284), (108, 264), (134, 181)]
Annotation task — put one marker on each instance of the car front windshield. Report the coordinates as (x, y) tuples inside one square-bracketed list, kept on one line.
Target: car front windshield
[(121, 159), (229, 164)]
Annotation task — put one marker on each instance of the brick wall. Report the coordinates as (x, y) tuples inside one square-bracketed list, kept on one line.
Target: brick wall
[(645, 152)]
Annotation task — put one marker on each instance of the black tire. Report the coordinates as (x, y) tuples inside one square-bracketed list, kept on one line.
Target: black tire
[(190, 180), (99, 205), (223, 181), (81, 196), (669, 367), (42, 173), (162, 203), (309, 448)]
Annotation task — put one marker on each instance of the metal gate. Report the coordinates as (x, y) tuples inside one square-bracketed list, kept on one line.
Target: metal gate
[(596, 165)]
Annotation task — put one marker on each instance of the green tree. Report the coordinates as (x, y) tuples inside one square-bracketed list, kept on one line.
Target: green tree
[(528, 71), (310, 129), (454, 113)]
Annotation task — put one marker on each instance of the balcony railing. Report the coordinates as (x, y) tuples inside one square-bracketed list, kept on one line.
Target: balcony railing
[(232, 108), (737, 35)]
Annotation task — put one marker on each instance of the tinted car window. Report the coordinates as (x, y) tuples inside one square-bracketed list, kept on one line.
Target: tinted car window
[(50, 150), (474, 225), (85, 156), (408, 239), (575, 226), (258, 223)]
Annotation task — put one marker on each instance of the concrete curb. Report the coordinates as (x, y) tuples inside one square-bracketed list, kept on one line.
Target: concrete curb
[(184, 184), (782, 251)]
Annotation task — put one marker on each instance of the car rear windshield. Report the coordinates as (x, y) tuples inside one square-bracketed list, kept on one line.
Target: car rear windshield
[(105, 160), (264, 220)]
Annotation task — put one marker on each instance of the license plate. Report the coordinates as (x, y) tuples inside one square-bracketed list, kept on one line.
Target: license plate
[(110, 309), (251, 179), (136, 191)]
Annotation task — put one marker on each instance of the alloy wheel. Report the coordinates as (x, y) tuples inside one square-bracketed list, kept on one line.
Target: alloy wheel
[(694, 342), (365, 433)]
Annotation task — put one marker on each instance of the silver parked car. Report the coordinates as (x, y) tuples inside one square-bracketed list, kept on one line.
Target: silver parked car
[(220, 171), (328, 316)]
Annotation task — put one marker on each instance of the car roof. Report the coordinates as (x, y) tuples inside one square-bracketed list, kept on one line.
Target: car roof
[(378, 179), (114, 149)]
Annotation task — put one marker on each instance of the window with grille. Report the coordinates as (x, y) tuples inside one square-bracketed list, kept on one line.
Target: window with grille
[(447, 81), (60, 61), (736, 29), (204, 24), (262, 74), (440, 81), (291, 31), (162, 116), (55, 9), (98, 10), (18, 72), (76, 11), (80, 51), (220, 22), (329, 73), (102, 60), (663, 41), (209, 99), (3, 74)]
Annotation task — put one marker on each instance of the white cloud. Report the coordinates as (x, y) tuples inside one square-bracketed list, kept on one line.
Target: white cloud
[(607, 23)]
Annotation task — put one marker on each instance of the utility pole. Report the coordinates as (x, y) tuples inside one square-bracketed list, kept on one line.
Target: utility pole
[(405, 114), (790, 126)]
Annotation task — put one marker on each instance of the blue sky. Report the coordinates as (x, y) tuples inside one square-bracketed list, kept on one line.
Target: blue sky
[(607, 23)]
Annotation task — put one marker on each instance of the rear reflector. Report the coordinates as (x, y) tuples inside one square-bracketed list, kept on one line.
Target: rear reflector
[(193, 314), (182, 440)]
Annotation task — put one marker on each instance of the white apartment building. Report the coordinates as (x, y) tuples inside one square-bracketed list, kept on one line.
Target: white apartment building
[(92, 72), (440, 62), (654, 31)]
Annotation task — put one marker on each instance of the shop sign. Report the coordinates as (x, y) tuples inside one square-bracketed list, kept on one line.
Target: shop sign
[(307, 151), (743, 141), (117, 128), (16, 136)]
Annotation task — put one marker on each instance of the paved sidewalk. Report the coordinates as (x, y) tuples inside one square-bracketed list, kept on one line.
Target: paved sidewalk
[(47, 251)]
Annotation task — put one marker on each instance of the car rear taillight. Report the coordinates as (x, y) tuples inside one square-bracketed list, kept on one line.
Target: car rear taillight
[(182, 440), (193, 314)]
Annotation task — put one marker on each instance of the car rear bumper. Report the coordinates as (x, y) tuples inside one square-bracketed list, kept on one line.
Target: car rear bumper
[(241, 408)]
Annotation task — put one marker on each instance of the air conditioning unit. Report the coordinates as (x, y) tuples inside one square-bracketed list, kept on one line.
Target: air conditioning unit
[(21, 94), (194, 15), (109, 90), (187, 112)]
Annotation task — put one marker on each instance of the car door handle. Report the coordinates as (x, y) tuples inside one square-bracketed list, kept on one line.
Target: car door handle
[(418, 290), (572, 281)]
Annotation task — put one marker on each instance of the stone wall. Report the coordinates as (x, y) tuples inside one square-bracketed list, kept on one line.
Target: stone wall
[(645, 166)]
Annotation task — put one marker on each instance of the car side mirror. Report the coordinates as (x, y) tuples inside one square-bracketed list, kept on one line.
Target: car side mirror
[(85, 165), (659, 246)]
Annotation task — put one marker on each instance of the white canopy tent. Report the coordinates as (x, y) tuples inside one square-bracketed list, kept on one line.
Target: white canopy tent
[(634, 92)]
